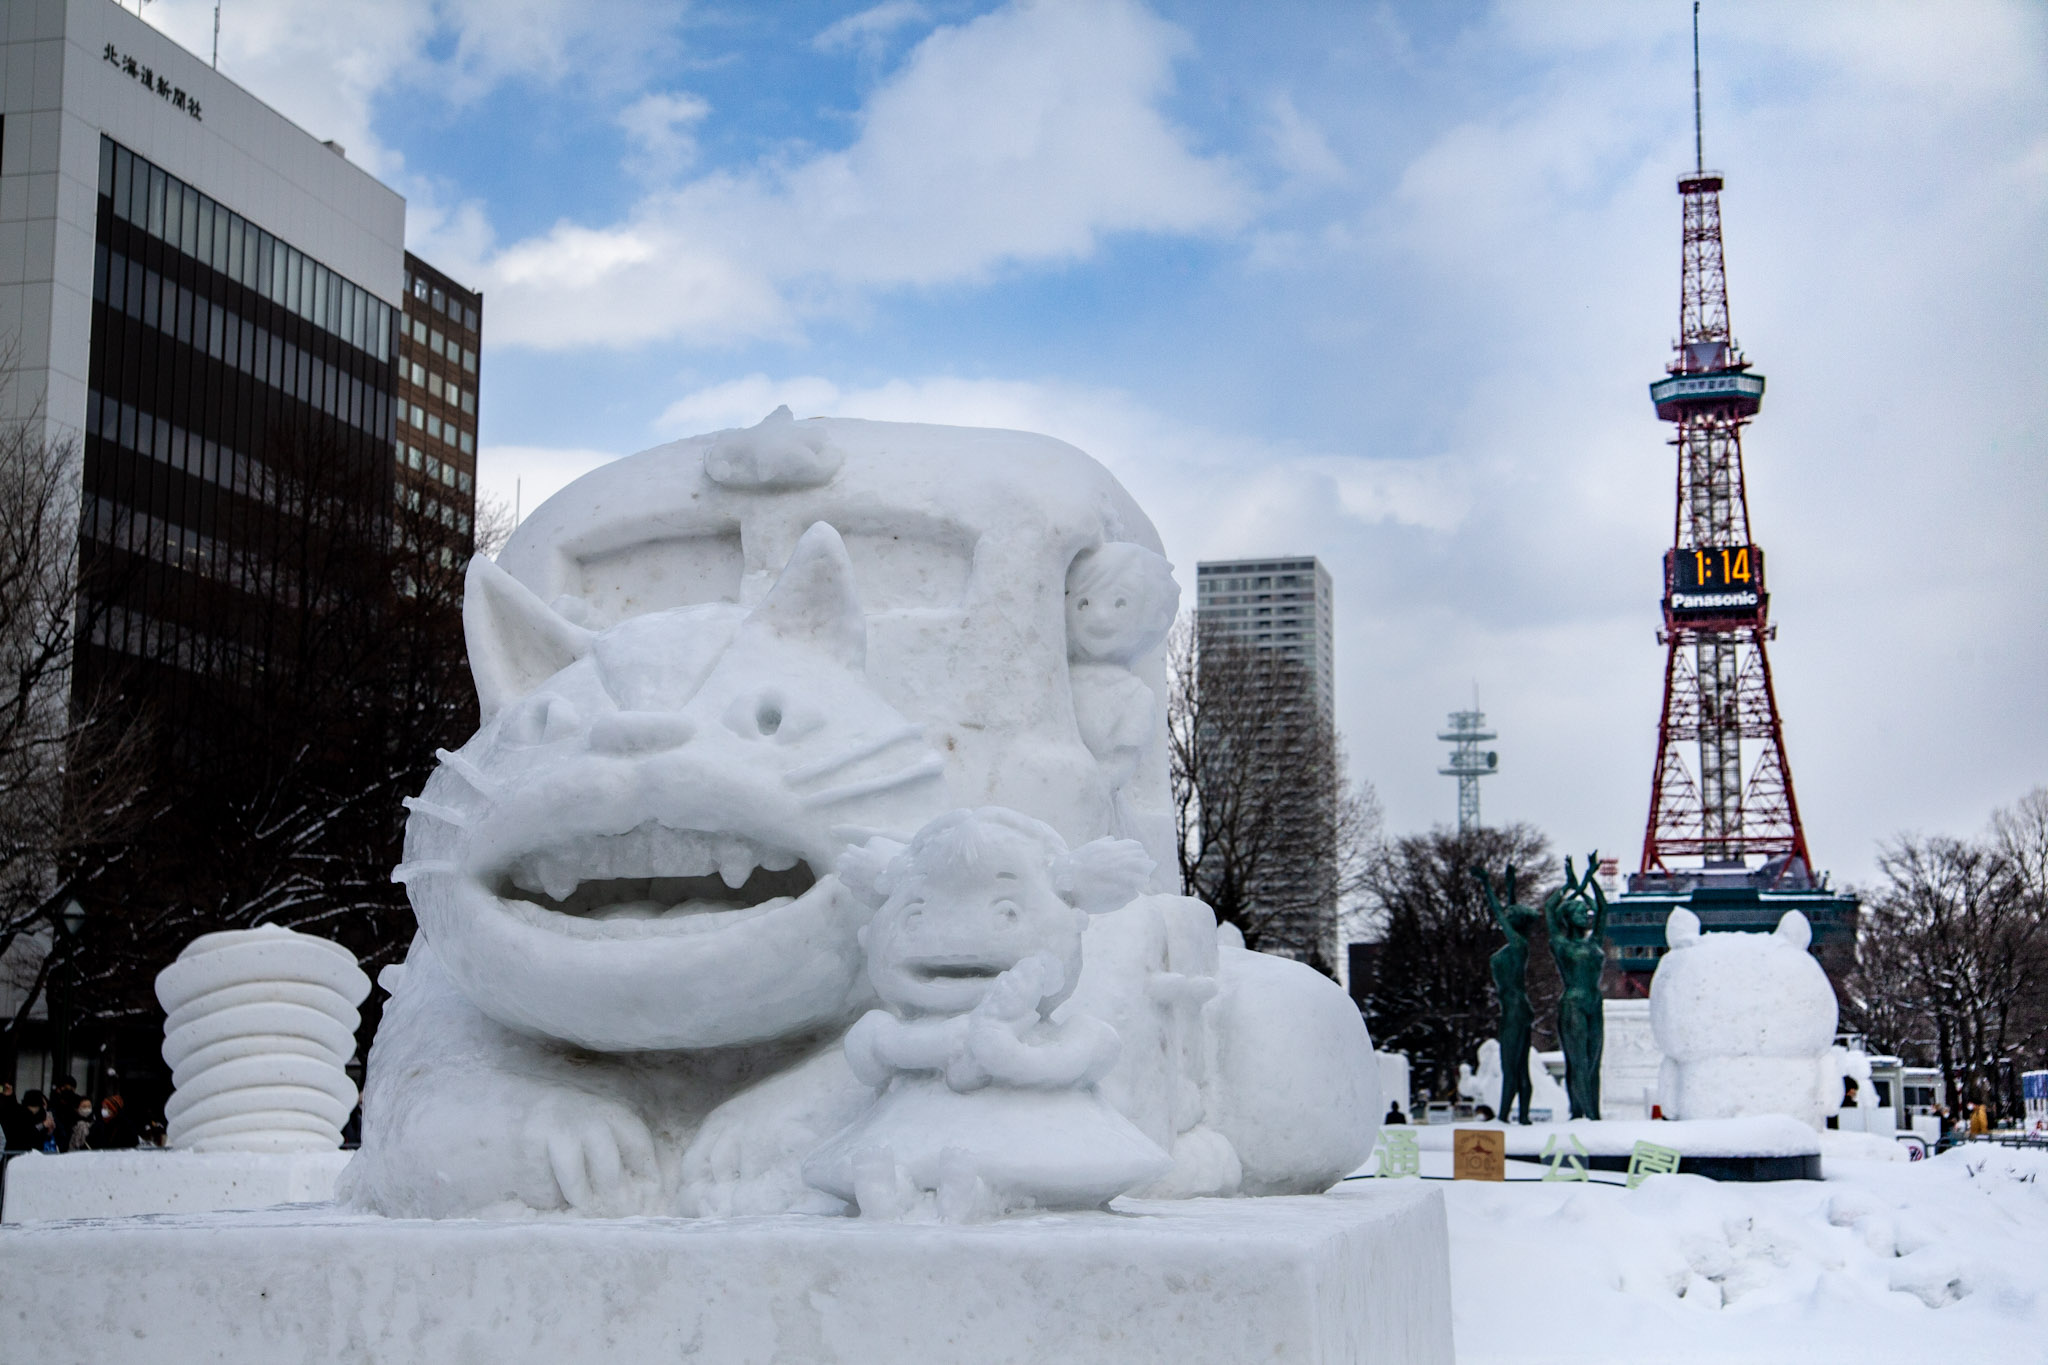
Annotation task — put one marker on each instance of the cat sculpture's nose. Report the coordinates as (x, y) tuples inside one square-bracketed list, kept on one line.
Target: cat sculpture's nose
[(639, 732)]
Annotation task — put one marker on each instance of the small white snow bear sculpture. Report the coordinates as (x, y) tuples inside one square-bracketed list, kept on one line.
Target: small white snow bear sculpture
[(1746, 1023), (986, 1104), (261, 1024)]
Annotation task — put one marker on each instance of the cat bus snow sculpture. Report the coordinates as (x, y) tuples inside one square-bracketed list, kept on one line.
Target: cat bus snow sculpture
[(1746, 1023), (708, 675)]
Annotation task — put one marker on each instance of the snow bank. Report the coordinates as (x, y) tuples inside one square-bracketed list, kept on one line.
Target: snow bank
[(1881, 1261)]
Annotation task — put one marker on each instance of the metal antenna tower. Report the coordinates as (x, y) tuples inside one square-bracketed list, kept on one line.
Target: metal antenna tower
[(1717, 670), (1469, 762)]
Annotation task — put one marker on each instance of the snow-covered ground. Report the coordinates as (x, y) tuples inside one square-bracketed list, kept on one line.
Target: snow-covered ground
[(1882, 1261)]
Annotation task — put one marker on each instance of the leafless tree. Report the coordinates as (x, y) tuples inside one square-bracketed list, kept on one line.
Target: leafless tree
[(1431, 994), (1270, 833), (1953, 954), (323, 684), (73, 785)]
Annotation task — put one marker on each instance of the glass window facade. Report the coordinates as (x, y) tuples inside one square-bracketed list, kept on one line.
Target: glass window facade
[(220, 354)]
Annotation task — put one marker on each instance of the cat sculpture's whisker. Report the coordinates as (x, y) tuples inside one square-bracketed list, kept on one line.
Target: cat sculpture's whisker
[(447, 815), (931, 765), (825, 767), (406, 873), (468, 772)]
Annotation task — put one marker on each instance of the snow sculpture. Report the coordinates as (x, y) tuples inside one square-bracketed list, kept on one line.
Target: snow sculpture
[(1484, 1085), (987, 1102), (708, 675), (261, 1025), (1121, 599), (1746, 1023)]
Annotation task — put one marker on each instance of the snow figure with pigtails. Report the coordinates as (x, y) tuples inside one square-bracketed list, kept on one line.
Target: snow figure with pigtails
[(710, 676), (987, 1103)]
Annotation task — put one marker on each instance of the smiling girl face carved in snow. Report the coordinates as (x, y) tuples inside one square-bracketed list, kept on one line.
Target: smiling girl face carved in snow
[(977, 892), (636, 850)]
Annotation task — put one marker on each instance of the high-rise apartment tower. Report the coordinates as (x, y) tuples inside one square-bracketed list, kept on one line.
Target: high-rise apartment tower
[(1282, 605)]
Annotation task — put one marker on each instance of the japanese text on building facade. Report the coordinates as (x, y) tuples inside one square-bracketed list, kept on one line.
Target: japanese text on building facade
[(173, 95)]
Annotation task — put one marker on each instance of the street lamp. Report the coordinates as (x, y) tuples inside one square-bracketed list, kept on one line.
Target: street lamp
[(73, 916)]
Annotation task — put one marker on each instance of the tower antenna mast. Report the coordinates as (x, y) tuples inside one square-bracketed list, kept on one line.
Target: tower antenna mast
[(1699, 156)]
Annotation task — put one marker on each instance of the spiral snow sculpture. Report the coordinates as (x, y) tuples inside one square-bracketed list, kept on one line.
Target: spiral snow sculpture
[(261, 1024)]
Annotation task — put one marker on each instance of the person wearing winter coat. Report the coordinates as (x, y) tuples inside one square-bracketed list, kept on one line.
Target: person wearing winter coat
[(78, 1136), (111, 1131)]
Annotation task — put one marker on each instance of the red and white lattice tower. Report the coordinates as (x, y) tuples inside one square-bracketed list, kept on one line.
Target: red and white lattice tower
[(1717, 670)]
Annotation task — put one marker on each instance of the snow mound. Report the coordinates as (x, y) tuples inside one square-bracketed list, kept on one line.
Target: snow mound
[(1882, 1261)]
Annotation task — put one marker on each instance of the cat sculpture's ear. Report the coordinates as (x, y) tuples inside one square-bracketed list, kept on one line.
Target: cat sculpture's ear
[(516, 641), (1682, 929), (813, 601), (1794, 928)]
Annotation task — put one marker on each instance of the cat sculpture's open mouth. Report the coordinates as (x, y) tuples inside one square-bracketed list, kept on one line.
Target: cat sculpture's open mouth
[(651, 878), (947, 969)]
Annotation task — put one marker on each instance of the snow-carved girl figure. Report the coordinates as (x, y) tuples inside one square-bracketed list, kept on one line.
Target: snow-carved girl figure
[(987, 1105), (1120, 603)]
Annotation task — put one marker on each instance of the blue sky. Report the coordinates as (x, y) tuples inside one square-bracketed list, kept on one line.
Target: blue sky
[(1384, 283)]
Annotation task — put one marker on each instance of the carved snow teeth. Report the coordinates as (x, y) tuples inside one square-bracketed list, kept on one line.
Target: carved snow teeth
[(736, 863), (558, 879), (652, 872)]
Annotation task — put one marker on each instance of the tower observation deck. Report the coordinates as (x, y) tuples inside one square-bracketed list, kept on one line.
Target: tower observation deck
[(1715, 833)]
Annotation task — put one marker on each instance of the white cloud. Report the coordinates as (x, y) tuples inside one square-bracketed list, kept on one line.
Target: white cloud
[(1025, 135), (662, 128), (867, 29), (1299, 145)]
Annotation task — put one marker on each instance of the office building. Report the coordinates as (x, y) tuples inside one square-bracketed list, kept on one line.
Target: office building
[(1281, 604), (435, 449), (216, 311)]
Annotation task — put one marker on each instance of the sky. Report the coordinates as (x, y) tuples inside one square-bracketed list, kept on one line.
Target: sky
[(1381, 283)]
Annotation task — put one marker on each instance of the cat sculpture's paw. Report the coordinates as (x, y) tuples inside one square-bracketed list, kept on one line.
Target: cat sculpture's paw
[(748, 1156), (599, 1153)]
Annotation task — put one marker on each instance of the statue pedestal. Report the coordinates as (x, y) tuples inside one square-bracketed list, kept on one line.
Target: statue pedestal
[(1361, 1275), (149, 1180)]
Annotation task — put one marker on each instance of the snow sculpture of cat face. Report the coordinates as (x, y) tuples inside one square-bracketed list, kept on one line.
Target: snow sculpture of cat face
[(635, 851), (1745, 1021)]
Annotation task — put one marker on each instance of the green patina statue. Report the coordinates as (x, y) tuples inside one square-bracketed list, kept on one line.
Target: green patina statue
[(1576, 916), (1510, 964)]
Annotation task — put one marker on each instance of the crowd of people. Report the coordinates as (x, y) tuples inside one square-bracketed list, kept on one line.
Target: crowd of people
[(65, 1121)]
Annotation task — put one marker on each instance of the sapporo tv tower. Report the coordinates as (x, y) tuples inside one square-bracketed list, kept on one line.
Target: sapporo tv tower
[(1752, 861)]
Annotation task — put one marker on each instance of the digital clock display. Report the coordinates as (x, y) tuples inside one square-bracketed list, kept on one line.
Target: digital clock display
[(1714, 581)]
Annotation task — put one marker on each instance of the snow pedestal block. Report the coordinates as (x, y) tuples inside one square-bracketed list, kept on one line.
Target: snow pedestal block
[(147, 1180), (1354, 1276)]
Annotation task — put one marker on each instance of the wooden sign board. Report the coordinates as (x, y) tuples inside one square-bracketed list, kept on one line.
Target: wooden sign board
[(1479, 1154)]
